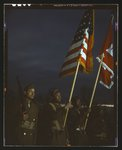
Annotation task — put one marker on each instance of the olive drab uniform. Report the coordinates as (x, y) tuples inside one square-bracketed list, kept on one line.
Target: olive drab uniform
[(51, 132), (27, 131), (73, 123)]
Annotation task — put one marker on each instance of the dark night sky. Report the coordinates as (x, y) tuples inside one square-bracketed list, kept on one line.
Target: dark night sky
[(38, 40)]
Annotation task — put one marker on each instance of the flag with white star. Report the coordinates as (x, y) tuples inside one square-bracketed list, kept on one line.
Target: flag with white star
[(81, 47)]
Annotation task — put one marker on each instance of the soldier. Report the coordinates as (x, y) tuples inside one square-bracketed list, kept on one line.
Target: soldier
[(52, 123), (97, 127), (75, 123), (29, 115)]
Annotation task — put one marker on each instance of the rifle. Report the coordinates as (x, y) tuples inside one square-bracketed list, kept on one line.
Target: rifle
[(21, 94)]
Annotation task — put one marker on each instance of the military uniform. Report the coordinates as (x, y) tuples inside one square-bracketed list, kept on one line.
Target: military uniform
[(73, 123), (51, 132), (27, 130)]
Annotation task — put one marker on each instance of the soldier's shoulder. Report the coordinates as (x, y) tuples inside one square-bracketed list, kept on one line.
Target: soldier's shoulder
[(49, 107)]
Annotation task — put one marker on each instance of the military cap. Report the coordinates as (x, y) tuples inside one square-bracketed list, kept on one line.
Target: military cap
[(29, 86)]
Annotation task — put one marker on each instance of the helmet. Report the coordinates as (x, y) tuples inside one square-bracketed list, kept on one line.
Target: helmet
[(29, 86), (54, 91)]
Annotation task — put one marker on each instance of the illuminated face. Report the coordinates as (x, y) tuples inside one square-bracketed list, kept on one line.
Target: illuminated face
[(78, 102), (30, 93), (58, 97)]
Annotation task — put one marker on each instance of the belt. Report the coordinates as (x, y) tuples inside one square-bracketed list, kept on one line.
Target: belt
[(28, 125)]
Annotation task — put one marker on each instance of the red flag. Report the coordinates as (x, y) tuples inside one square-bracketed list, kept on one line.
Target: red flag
[(107, 73), (89, 61), (81, 47)]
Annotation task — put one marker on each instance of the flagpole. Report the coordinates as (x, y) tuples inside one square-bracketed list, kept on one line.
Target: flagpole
[(71, 93), (87, 116)]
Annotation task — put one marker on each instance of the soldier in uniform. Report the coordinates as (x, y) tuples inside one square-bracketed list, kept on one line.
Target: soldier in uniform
[(28, 123), (97, 127), (75, 121), (52, 132)]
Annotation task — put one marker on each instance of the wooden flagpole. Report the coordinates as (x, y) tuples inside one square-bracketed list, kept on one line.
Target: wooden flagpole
[(93, 92), (71, 93)]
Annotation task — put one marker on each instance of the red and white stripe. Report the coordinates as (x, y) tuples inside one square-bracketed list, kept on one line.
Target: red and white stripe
[(77, 52)]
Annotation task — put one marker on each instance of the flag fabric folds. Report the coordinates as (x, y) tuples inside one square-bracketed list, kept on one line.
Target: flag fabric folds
[(107, 73), (81, 47)]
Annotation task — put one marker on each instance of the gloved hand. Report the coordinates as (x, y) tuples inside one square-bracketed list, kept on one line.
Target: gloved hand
[(68, 105)]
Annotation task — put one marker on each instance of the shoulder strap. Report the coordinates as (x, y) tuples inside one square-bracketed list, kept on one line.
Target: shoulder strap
[(53, 106)]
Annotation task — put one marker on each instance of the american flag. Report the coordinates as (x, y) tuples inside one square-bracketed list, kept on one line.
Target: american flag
[(81, 47), (107, 73)]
